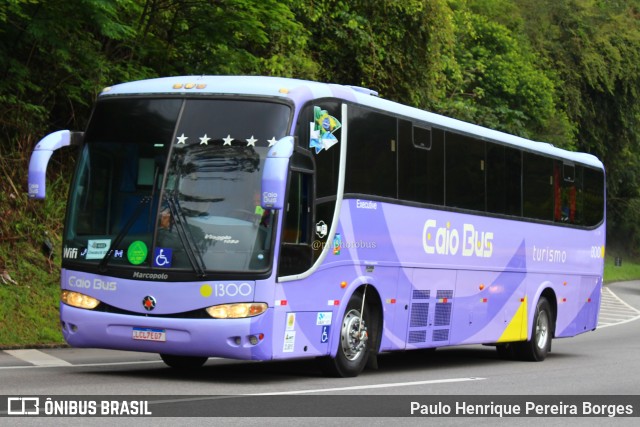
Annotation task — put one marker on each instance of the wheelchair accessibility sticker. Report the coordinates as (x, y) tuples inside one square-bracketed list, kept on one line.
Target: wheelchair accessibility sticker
[(162, 257), (324, 338)]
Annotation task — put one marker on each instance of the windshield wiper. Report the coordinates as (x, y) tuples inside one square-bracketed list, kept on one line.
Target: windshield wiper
[(194, 256), (102, 267)]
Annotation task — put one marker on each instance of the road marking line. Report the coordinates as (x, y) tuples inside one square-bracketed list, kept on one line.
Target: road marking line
[(37, 358), (611, 301), (621, 301), (319, 390), (370, 386), (81, 365)]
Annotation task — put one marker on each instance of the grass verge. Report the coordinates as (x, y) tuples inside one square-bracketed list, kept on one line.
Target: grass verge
[(628, 270)]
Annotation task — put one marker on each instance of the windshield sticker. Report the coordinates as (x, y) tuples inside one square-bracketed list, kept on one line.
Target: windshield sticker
[(322, 129), (97, 249), (227, 240), (69, 253), (162, 257), (227, 140), (137, 252), (321, 229)]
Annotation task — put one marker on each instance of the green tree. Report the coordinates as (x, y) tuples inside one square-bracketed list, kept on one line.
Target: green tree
[(497, 82), (594, 48), (222, 37), (398, 48), (52, 62)]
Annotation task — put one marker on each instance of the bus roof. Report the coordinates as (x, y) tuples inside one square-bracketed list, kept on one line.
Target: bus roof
[(302, 91)]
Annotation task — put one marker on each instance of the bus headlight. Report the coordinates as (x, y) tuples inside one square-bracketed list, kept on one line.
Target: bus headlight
[(79, 300), (237, 311)]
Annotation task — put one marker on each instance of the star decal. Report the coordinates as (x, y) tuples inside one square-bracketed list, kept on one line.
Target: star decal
[(272, 141), (182, 139), (227, 140), (251, 142), (204, 140)]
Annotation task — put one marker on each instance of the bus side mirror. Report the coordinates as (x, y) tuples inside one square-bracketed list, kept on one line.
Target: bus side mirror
[(274, 176), (41, 155)]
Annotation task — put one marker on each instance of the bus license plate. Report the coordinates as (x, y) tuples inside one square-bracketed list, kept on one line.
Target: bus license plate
[(148, 334)]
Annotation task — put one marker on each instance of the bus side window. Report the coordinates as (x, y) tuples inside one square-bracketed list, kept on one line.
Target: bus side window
[(568, 199), (296, 253)]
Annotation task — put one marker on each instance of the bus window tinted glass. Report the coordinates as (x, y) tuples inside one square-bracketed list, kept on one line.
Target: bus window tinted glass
[(465, 165), (593, 185), (538, 187), (371, 153), (504, 169), (421, 164), (567, 194), (327, 162)]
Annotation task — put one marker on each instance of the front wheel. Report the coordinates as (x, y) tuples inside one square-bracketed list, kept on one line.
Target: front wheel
[(355, 345), (537, 348), (183, 362)]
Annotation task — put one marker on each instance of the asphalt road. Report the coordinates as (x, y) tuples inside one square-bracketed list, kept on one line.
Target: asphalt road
[(604, 362)]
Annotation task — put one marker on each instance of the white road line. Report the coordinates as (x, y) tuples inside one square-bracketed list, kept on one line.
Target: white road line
[(319, 390), (370, 386), (37, 358), (82, 365), (614, 311)]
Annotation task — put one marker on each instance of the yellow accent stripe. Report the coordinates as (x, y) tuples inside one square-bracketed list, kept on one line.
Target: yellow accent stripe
[(517, 328)]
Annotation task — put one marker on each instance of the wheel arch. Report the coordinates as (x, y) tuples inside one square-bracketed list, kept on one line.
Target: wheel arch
[(550, 295), (373, 300)]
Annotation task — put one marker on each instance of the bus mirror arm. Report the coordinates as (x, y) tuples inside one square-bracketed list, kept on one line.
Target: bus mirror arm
[(41, 155), (274, 176)]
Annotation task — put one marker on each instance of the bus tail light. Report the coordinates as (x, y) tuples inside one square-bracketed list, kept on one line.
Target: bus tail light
[(237, 311), (76, 299)]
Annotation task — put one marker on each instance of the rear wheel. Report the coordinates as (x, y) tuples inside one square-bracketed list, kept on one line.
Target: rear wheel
[(355, 345), (537, 348), (183, 362)]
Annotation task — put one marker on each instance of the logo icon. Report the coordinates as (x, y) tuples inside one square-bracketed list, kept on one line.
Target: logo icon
[(162, 257), (23, 406), (321, 229), (324, 337), (149, 303)]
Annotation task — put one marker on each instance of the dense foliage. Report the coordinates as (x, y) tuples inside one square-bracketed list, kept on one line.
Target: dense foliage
[(562, 71)]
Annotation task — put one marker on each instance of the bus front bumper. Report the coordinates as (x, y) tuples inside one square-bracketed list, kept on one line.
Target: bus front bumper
[(246, 339)]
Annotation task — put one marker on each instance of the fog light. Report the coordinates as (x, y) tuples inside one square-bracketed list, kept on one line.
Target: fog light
[(253, 340)]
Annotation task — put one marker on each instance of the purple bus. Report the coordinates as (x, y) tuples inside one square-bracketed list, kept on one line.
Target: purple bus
[(265, 218)]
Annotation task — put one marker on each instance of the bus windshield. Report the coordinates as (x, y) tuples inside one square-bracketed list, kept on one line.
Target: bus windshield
[(174, 184)]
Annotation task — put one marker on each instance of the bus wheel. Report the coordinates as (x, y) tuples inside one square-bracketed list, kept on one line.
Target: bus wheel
[(538, 347), (183, 362), (354, 346)]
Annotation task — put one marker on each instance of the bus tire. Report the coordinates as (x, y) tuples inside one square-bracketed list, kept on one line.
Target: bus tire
[(537, 348), (354, 346), (183, 362)]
